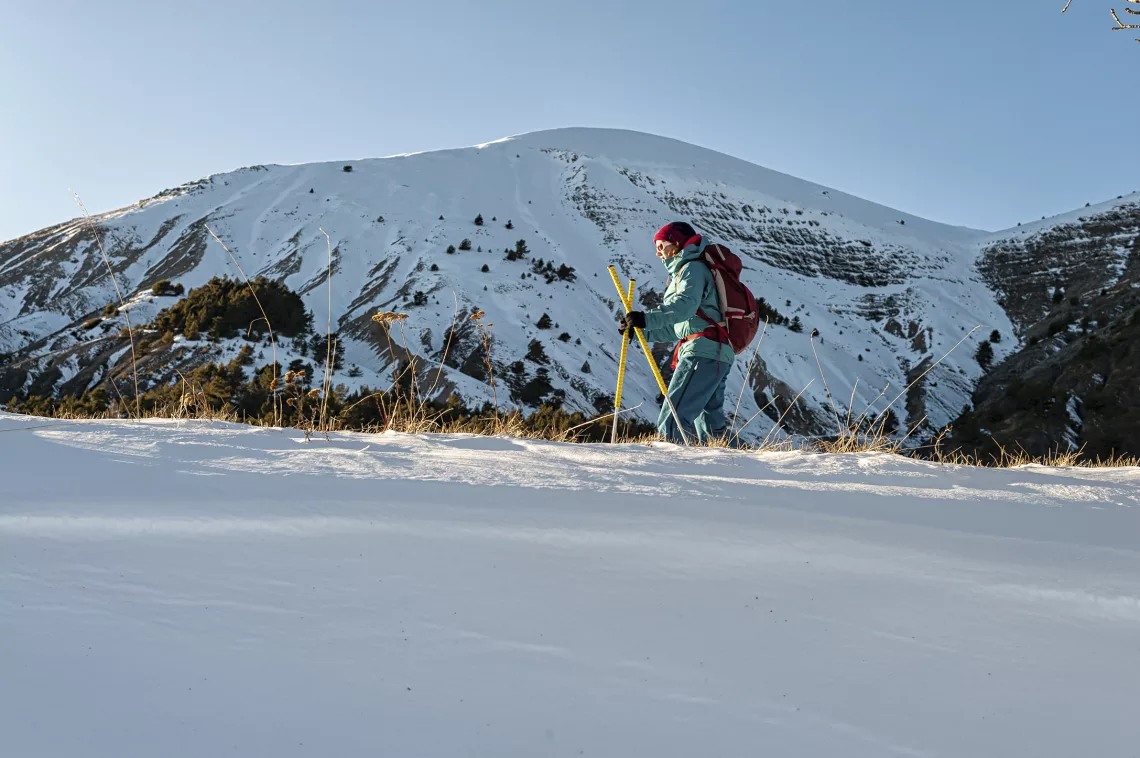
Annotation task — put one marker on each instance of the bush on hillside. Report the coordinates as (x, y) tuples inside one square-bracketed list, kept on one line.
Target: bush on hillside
[(225, 308), (166, 288)]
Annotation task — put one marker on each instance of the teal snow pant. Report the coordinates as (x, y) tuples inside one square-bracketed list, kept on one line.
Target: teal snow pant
[(697, 393)]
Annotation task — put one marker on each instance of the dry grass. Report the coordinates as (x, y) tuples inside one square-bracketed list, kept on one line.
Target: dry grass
[(1006, 458), (410, 418), (326, 383), (122, 305)]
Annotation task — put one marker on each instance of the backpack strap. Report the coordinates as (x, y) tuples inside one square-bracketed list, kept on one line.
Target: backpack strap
[(716, 331)]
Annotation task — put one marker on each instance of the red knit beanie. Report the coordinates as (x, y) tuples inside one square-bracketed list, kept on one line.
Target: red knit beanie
[(677, 232)]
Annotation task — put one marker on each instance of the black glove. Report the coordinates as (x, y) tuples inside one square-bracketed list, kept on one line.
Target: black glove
[(631, 320)]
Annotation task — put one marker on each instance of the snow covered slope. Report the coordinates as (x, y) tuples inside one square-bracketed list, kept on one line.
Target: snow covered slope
[(205, 590), (888, 292)]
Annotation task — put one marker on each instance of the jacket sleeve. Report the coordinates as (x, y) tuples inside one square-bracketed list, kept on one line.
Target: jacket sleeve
[(679, 306)]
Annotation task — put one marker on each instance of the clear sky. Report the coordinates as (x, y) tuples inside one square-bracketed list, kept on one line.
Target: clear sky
[(977, 112)]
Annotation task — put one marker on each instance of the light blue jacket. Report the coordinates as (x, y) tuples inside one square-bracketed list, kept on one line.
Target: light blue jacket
[(691, 288)]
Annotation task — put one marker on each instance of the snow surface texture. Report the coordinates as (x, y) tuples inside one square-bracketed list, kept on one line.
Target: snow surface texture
[(195, 589), (887, 291)]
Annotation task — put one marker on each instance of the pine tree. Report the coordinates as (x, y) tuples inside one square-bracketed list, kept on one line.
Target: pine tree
[(536, 353), (564, 337), (995, 336), (485, 268), (465, 244), (479, 220), (519, 252), (510, 225), (434, 267), (545, 322), (586, 367), (451, 249), (796, 325), (985, 356)]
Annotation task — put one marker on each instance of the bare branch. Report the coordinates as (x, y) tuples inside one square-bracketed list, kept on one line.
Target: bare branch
[(1123, 25), (1120, 25)]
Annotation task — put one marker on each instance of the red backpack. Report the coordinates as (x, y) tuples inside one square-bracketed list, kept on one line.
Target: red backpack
[(737, 303)]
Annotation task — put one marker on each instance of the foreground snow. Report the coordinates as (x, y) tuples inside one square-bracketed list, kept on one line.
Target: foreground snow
[(188, 589)]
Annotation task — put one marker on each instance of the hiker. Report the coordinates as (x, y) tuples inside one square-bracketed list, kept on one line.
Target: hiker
[(690, 313)]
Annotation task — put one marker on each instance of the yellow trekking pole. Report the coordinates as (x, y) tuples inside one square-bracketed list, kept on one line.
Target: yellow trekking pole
[(621, 372), (649, 356)]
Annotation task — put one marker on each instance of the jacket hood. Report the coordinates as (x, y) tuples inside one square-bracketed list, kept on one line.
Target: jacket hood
[(690, 253)]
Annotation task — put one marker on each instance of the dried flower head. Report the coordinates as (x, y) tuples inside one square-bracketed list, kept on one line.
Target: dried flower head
[(477, 315), (314, 393), (387, 317)]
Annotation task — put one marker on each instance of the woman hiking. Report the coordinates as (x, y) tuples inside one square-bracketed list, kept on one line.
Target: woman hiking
[(690, 312)]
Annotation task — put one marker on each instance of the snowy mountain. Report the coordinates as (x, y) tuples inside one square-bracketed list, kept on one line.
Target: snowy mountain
[(193, 589), (889, 293)]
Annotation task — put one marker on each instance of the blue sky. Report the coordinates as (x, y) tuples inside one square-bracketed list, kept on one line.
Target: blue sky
[(978, 112)]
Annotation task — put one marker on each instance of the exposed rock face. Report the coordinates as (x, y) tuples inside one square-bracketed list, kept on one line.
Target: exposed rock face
[(1076, 257), (1073, 289)]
